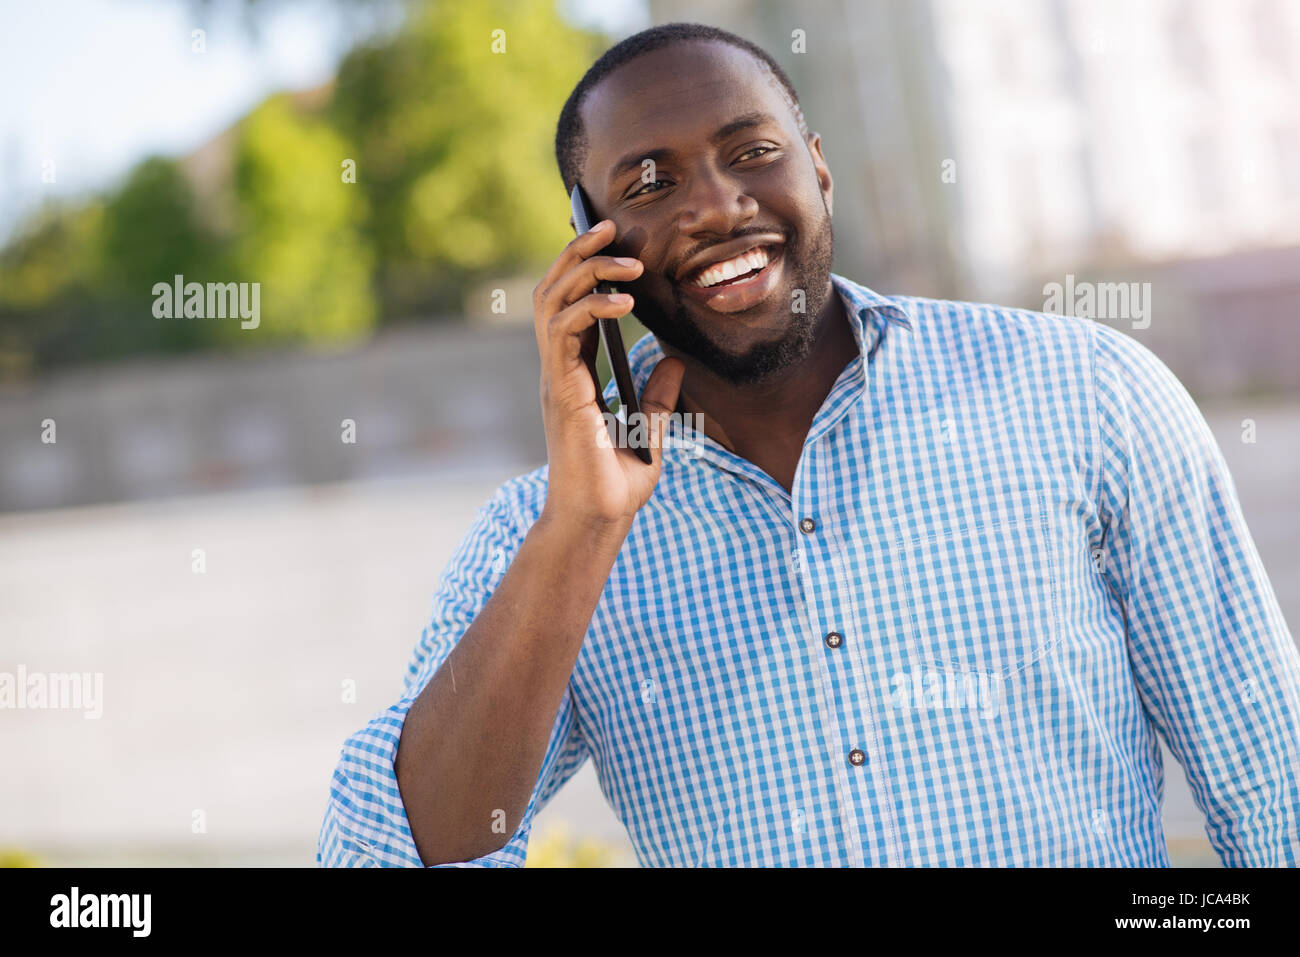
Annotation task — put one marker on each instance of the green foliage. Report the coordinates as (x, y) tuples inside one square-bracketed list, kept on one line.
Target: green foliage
[(55, 253), (149, 231), (298, 231), (47, 283), (457, 145), (455, 183), (75, 285)]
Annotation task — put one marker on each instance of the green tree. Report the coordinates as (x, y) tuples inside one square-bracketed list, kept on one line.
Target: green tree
[(298, 230), (450, 124), (76, 283), (47, 283), (456, 145), (150, 233)]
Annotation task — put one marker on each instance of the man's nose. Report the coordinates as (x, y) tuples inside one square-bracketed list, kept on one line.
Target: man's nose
[(717, 204)]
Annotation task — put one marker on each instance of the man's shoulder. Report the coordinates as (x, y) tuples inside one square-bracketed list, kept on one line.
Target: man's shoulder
[(975, 338), (956, 328), (956, 316)]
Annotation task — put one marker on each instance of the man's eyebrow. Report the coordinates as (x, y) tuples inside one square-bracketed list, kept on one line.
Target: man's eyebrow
[(635, 159)]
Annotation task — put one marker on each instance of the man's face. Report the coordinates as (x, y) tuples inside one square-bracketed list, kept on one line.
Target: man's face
[(713, 192)]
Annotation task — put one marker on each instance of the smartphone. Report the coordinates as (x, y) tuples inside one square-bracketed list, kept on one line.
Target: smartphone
[(611, 337)]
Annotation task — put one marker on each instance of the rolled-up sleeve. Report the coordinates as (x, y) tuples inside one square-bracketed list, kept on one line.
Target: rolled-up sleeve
[(1214, 663), (365, 821)]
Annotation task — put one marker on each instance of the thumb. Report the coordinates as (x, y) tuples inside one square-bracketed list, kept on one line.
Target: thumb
[(663, 386), (659, 397)]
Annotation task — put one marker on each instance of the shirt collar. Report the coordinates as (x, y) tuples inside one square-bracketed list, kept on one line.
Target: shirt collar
[(871, 313)]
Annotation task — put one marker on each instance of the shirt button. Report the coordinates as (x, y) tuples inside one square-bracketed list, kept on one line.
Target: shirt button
[(856, 758), (834, 639), (807, 526)]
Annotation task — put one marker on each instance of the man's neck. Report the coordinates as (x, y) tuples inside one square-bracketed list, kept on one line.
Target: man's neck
[(768, 423)]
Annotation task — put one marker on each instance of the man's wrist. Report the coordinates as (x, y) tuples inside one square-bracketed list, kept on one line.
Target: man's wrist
[(603, 535)]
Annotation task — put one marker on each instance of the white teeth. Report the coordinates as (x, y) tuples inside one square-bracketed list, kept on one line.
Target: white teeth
[(751, 260)]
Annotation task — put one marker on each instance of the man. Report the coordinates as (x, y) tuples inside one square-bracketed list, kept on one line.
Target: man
[(923, 592)]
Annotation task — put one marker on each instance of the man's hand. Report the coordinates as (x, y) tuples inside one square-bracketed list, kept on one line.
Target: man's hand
[(589, 480)]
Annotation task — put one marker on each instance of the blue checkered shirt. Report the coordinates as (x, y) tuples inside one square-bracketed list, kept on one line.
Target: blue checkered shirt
[(1012, 555)]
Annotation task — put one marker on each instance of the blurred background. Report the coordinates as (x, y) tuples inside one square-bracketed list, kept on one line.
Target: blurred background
[(241, 528)]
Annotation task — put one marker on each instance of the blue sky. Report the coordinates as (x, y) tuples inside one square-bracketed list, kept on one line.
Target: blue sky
[(94, 85)]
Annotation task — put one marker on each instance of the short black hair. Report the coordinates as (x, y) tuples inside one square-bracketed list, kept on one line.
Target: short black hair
[(570, 137)]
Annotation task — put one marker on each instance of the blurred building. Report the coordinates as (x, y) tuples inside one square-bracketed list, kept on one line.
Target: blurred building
[(1103, 130)]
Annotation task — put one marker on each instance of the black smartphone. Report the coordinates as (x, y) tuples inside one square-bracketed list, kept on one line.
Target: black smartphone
[(611, 336)]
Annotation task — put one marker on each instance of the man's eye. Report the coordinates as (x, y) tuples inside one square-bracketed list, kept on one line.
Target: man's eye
[(642, 189), (756, 150)]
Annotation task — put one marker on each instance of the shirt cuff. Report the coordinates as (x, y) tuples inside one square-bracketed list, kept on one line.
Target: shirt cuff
[(365, 821)]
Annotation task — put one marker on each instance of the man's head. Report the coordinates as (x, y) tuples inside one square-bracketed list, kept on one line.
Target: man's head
[(692, 141)]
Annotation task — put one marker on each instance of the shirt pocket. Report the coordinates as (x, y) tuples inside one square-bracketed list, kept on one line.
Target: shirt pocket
[(982, 587)]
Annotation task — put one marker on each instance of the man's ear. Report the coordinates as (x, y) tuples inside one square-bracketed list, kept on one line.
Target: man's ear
[(823, 171)]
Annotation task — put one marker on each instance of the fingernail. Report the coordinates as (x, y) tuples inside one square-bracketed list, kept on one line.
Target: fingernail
[(625, 261), (604, 222)]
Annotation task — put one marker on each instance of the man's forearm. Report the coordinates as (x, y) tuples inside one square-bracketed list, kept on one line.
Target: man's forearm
[(474, 740)]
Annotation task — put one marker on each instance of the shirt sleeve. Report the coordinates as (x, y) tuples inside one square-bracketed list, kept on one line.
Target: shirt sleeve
[(365, 821), (1215, 666)]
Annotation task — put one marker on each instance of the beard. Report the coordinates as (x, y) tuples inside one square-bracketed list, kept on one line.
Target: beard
[(808, 265)]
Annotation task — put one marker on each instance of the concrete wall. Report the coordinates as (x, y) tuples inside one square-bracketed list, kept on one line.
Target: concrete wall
[(431, 397)]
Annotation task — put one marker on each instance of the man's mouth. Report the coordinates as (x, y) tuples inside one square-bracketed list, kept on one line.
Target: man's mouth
[(738, 283), (734, 269)]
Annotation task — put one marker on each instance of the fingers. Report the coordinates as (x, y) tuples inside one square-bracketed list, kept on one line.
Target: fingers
[(663, 386), (576, 285), (659, 400), (571, 335), (579, 248), (566, 309), (582, 279), (575, 273), (590, 338)]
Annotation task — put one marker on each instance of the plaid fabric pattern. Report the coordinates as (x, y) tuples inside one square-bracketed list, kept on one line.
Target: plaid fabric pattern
[(1012, 555)]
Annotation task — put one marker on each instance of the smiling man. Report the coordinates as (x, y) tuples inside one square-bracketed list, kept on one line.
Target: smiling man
[(924, 591)]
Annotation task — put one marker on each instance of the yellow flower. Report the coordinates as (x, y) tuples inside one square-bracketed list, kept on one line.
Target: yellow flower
[(557, 847), (13, 857)]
